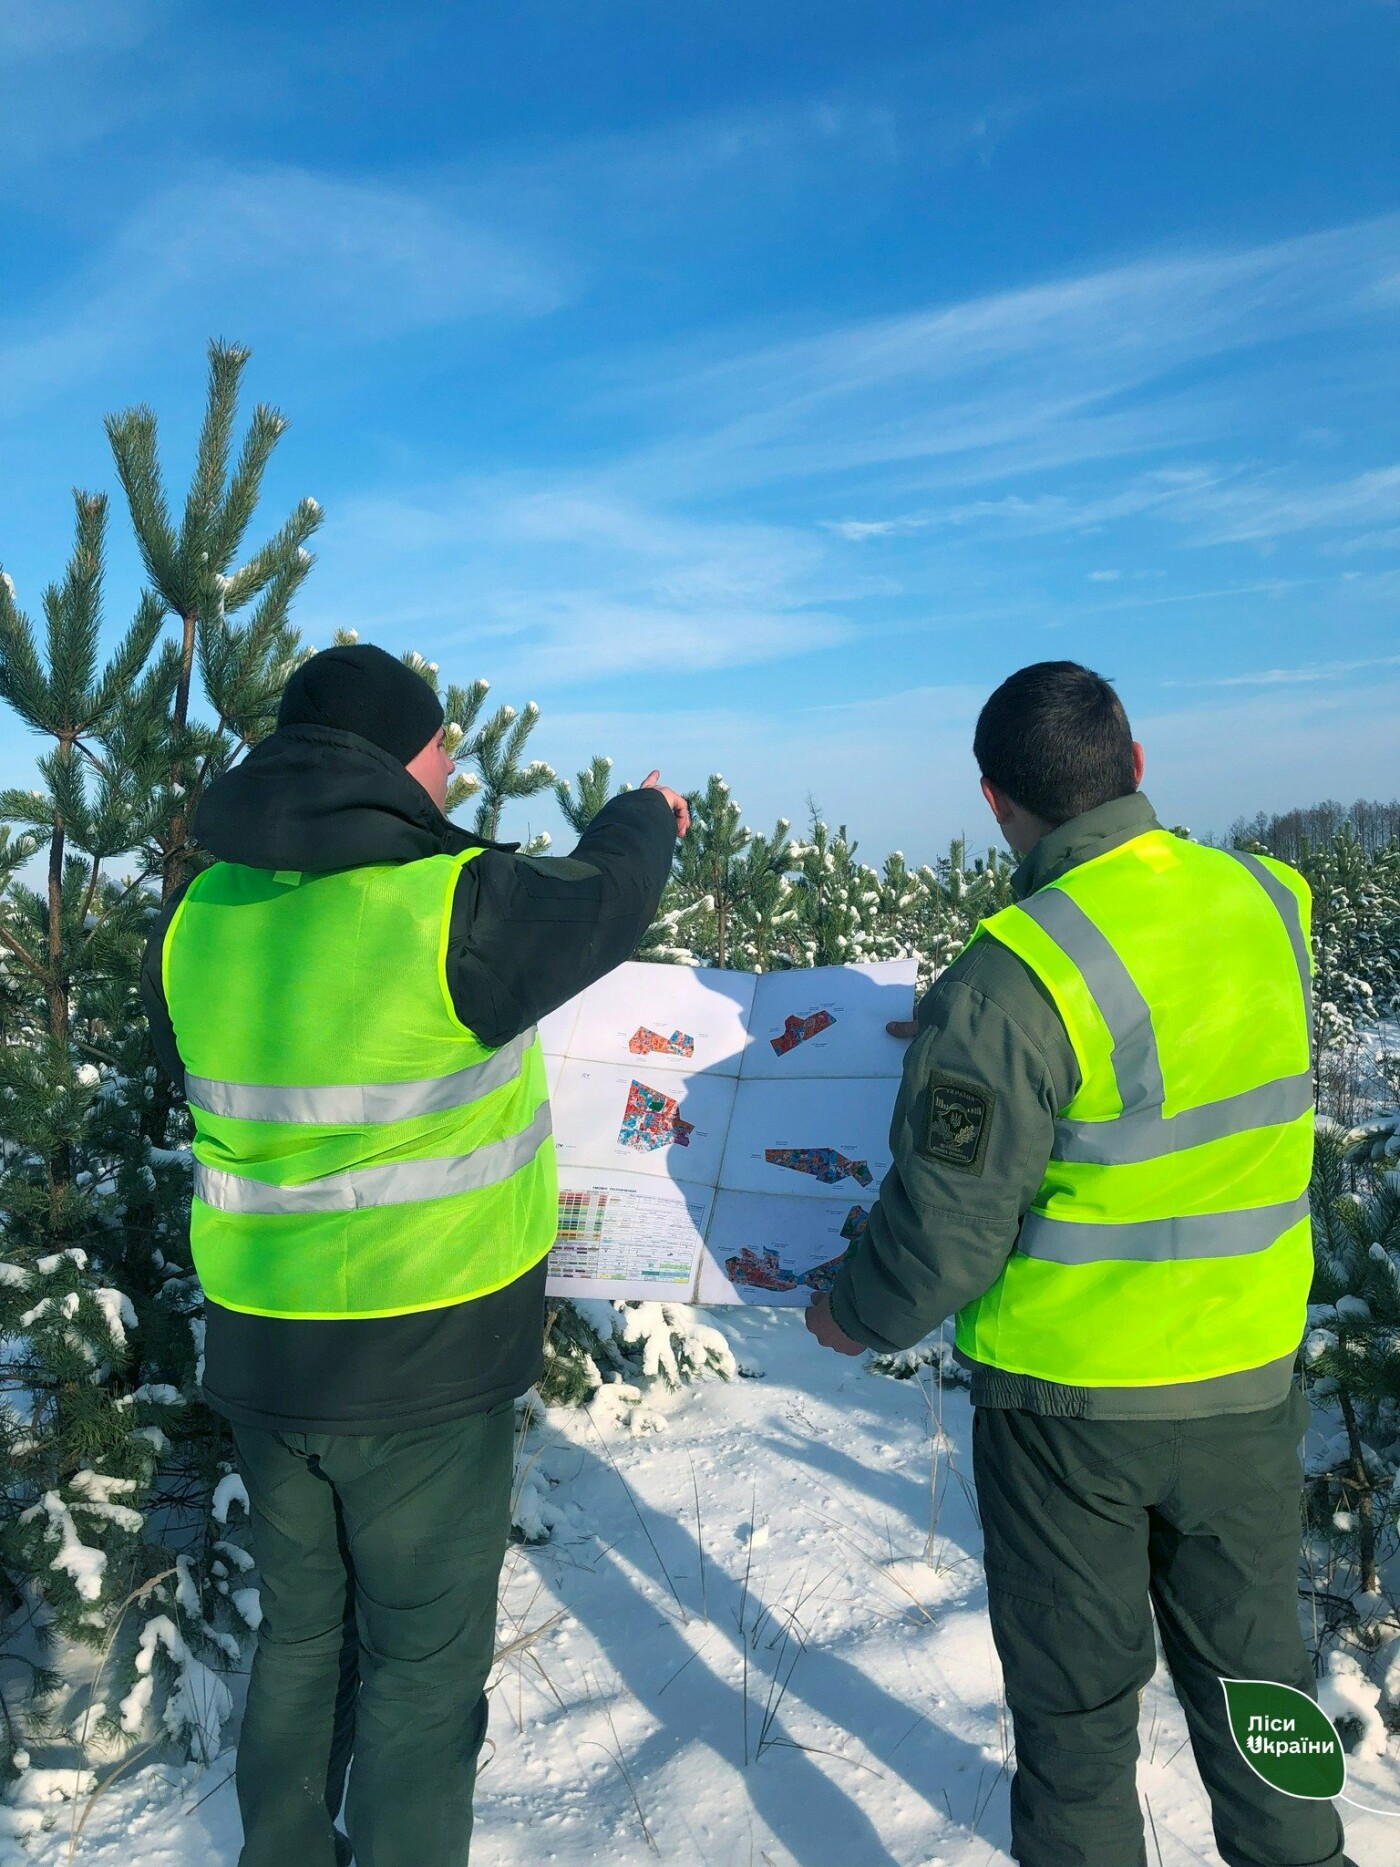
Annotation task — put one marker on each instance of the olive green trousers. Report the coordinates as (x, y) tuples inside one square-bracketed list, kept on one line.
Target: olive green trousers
[(379, 1559), (1094, 1528)]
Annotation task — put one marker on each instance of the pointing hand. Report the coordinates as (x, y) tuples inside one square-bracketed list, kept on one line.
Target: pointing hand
[(680, 810)]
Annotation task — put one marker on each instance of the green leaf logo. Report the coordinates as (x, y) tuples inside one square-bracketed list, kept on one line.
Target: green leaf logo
[(1286, 1738)]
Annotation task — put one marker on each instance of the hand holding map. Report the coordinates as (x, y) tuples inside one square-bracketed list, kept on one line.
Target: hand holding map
[(824, 1326)]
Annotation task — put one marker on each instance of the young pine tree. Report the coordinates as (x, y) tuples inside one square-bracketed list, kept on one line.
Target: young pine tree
[(109, 1466), (838, 900), (1351, 1360)]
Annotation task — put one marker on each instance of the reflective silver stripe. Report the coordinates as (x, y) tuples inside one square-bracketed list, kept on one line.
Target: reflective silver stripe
[(1150, 1241), (1150, 1135), (1121, 1005), (353, 1105), (1286, 902), (1142, 1132), (401, 1183)]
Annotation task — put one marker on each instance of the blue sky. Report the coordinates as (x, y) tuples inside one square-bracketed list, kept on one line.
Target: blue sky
[(754, 387)]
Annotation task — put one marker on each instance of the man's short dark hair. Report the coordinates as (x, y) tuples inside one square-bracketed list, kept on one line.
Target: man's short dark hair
[(1055, 738)]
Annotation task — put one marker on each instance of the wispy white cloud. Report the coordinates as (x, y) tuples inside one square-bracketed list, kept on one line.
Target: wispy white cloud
[(1295, 677), (858, 529), (1212, 502), (1386, 540), (573, 583), (1040, 375), (584, 636), (284, 249), (728, 170), (586, 574), (359, 258), (1267, 507), (32, 30), (69, 80)]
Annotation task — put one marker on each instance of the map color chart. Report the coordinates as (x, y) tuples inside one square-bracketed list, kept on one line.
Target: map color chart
[(582, 1216), (624, 1236)]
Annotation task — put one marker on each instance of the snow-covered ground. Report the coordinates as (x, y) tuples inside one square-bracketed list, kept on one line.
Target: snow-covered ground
[(802, 1673)]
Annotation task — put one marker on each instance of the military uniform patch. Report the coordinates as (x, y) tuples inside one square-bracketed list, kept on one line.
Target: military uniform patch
[(959, 1116)]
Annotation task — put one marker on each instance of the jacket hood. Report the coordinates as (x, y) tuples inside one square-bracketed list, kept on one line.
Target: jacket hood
[(316, 799)]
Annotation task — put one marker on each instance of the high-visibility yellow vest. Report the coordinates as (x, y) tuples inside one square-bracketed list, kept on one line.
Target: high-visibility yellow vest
[(358, 1151), (1170, 1239)]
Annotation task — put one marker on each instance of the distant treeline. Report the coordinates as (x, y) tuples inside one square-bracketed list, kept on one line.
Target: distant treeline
[(1290, 834)]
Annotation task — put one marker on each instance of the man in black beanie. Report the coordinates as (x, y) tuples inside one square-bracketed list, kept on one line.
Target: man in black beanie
[(347, 998), (358, 688)]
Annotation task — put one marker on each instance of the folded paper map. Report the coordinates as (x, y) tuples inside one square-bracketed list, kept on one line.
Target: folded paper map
[(712, 1127)]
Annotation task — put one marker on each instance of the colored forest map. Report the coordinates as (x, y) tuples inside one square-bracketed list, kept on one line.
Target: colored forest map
[(766, 1271), (653, 1120), (797, 1030), (645, 1043), (823, 1163)]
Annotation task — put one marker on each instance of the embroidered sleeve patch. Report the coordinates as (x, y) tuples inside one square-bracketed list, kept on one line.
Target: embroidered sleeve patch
[(959, 1117)]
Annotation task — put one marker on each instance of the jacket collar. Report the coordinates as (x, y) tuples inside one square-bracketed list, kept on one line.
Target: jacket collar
[(1081, 839), (316, 799)]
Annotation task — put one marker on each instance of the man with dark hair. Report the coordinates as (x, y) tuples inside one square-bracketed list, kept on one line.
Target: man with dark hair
[(1102, 1147), (1056, 739), (347, 999)]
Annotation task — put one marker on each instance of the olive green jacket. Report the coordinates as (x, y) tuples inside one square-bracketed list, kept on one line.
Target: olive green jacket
[(943, 1227)]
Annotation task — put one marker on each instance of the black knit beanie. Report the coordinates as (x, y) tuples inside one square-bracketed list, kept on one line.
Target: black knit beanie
[(362, 689)]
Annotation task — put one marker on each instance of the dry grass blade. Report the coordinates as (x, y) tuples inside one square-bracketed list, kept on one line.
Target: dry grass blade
[(815, 1750), (222, 1783), (631, 1499), (743, 1609), (615, 1756), (128, 1762), (627, 1778), (780, 1680), (921, 1719), (777, 1692), (943, 1465), (892, 1581), (1004, 1734), (77, 1825), (520, 1647), (700, 1545), (936, 1489), (686, 1662), (1153, 1820), (980, 1807), (528, 1637), (545, 1679)]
